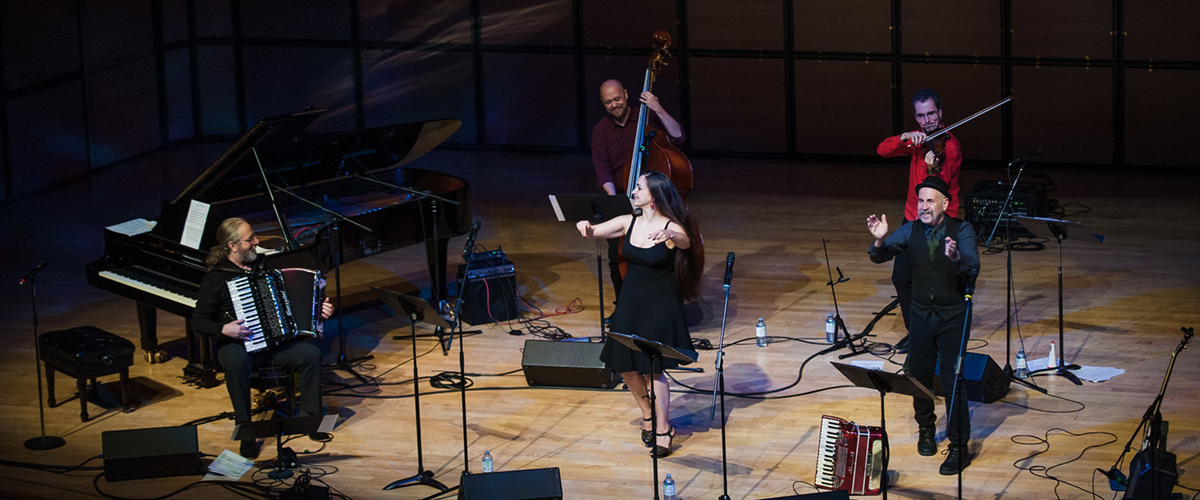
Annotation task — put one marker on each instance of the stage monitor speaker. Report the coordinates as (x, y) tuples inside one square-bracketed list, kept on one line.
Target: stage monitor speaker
[(1146, 483), (491, 294), (982, 204), (154, 452), (566, 364), (985, 381), (529, 484), (824, 495)]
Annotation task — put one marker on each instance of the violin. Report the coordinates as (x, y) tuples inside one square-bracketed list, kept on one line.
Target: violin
[(936, 142)]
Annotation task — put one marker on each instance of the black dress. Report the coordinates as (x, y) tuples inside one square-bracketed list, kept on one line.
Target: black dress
[(650, 307)]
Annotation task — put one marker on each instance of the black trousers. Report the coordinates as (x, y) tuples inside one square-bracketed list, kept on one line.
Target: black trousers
[(934, 340), (300, 356), (614, 265)]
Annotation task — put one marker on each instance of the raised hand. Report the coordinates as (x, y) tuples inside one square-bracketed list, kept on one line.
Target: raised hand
[(914, 137), (951, 249), (651, 101), (878, 227)]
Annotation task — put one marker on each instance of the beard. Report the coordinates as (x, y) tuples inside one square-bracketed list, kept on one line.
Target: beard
[(246, 258)]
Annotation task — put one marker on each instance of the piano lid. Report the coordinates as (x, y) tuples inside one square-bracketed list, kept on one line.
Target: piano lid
[(294, 157)]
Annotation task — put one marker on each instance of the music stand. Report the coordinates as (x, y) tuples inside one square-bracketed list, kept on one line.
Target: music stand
[(1059, 230), (285, 458), (413, 310), (595, 208), (656, 351), (884, 382)]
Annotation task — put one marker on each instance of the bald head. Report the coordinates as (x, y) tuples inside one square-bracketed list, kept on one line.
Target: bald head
[(615, 100)]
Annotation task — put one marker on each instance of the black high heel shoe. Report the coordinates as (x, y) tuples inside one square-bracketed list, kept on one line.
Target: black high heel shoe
[(647, 436), (664, 452)]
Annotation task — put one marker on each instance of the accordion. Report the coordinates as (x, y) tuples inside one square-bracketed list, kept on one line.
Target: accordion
[(278, 305), (850, 457)]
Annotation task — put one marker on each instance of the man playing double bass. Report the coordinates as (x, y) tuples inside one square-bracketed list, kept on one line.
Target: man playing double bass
[(927, 109), (613, 138)]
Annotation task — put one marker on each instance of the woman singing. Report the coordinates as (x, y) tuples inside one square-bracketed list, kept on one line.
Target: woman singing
[(663, 270)]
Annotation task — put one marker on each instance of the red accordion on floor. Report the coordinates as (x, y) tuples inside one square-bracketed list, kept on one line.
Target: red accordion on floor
[(850, 457)]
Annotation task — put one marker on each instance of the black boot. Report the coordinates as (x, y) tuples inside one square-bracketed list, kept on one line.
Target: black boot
[(926, 444), (957, 458)]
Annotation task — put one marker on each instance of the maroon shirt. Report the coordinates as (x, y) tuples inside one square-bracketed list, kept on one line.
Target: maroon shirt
[(611, 144)]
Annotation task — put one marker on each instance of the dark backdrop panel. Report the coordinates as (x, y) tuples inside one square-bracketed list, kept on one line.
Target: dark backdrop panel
[(288, 79), (1160, 112), (430, 21), (218, 105), (1063, 28), (179, 95), (738, 105), (964, 89), (631, 71), (49, 145), (409, 86), (175, 21), (40, 40), (745, 24), (843, 25), (530, 99), (1162, 30), (842, 107), (213, 19), (123, 111), (292, 19), (117, 29), (952, 27), (1065, 111), (613, 23), (547, 22)]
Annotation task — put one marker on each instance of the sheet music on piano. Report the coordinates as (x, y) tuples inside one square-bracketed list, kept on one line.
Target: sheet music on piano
[(193, 227), (133, 227)]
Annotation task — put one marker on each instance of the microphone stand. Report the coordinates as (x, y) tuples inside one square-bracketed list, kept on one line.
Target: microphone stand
[(1008, 294), (840, 325), (719, 385), (42, 442), (336, 254), (958, 383)]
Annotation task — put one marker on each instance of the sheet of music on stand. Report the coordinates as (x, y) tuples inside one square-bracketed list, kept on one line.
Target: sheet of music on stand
[(193, 228), (133, 227), (557, 209)]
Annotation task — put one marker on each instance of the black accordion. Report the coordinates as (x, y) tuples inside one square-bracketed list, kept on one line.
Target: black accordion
[(278, 305)]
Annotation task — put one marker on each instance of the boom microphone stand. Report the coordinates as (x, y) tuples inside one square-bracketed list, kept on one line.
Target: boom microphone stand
[(719, 384), (42, 442), (840, 326)]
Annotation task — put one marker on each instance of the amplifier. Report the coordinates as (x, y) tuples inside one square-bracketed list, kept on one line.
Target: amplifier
[(147, 453), (491, 258), (490, 293), (981, 206)]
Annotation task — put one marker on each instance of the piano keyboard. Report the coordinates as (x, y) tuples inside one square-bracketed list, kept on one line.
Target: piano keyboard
[(147, 284), (850, 457), (827, 455)]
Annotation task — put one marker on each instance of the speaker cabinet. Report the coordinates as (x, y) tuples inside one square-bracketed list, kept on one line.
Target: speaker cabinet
[(984, 380), (147, 453), (566, 364), (491, 293), (1151, 483), (530, 484)]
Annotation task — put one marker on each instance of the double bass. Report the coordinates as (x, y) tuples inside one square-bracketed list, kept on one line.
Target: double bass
[(657, 153)]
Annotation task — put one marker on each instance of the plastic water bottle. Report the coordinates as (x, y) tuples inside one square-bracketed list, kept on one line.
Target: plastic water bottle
[(760, 332), (487, 461), (830, 329), (1022, 367), (668, 488)]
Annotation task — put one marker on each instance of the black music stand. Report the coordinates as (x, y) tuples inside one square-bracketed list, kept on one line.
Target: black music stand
[(884, 382), (285, 458), (595, 208), (1059, 230), (656, 351), (413, 310)]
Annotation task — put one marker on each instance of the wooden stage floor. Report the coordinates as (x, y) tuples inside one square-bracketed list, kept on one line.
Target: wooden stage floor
[(1125, 301)]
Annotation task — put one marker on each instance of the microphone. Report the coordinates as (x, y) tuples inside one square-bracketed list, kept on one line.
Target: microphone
[(972, 275), (471, 238), (29, 277), (446, 338), (728, 269), (1030, 156)]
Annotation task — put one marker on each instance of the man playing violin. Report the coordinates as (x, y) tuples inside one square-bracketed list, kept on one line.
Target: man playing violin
[(924, 161), (612, 140)]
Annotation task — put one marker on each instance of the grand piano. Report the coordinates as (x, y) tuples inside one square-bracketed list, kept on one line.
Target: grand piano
[(345, 172)]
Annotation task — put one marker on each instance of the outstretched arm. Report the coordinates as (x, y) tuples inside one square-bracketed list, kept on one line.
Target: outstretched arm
[(611, 228)]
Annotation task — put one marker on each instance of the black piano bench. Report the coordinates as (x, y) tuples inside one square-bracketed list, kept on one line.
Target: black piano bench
[(85, 353)]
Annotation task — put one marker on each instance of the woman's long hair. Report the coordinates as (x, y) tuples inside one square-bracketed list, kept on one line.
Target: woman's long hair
[(227, 233), (689, 263)]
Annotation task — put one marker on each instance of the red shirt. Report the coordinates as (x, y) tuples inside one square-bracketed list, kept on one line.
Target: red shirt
[(917, 170), (611, 144)]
